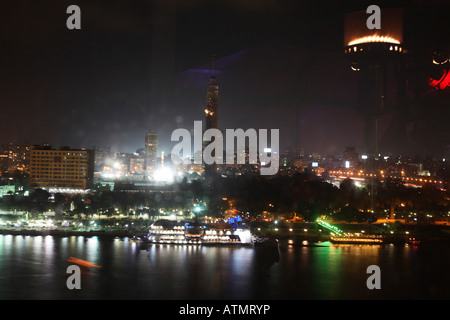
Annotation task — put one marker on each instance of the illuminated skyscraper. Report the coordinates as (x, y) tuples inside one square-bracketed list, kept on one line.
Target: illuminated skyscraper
[(151, 150), (211, 112), (212, 101)]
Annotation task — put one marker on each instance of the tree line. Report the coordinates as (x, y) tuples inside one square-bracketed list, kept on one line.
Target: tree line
[(302, 194)]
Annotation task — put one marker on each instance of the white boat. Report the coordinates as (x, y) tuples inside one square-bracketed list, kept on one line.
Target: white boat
[(172, 232)]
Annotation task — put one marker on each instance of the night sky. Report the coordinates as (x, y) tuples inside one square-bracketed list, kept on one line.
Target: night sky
[(137, 66)]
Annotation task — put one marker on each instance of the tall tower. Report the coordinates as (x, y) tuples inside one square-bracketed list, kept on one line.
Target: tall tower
[(371, 52), (212, 100), (211, 112), (151, 150)]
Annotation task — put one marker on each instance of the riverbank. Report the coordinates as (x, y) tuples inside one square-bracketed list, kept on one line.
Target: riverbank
[(67, 233), (401, 235), (423, 235)]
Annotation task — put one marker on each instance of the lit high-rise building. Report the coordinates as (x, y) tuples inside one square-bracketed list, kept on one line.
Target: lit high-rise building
[(211, 110), (212, 101), (151, 150), (62, 170)]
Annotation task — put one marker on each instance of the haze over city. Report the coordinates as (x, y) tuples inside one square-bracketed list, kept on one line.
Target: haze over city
[(278, 65)]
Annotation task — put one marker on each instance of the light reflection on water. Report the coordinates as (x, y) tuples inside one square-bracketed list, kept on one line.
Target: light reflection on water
[(35, 268)]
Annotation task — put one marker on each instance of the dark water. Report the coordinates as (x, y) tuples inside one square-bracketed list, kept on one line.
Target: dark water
[(34, 267)]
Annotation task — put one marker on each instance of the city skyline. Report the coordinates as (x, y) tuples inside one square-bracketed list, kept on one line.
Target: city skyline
[(326, 177), (88, 89)]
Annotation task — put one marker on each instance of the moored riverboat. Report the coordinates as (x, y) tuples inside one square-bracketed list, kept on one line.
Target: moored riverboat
[(357, 238), (173, 232)]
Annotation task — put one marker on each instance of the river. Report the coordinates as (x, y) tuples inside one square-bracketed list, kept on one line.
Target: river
[(35, 267)]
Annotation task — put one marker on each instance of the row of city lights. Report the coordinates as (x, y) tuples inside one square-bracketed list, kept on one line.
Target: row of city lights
[(290, 230), (351, 173)]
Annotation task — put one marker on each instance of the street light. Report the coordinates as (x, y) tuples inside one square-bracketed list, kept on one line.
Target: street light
[(197, 210)]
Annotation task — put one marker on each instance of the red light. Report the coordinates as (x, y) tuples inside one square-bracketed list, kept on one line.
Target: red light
[(442, 83)]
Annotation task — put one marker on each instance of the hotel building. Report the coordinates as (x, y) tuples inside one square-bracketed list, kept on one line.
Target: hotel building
[(63, 170)]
